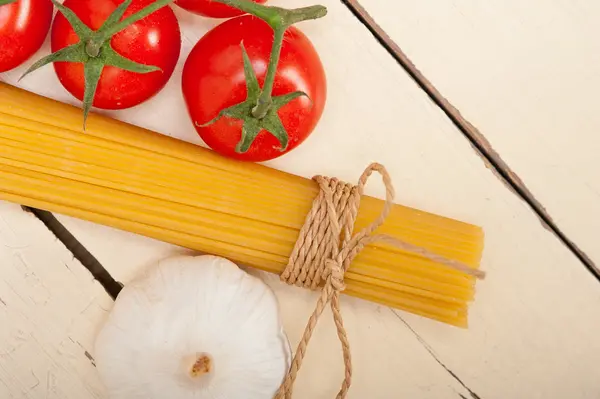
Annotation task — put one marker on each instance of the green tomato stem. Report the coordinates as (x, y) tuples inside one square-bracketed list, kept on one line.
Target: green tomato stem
[(277, 17), (265, 100), (265, 13), (92, 48), (143, 13), (303, 14), (5, 2)]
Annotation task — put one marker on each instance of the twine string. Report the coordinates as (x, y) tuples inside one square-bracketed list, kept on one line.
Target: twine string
[(326, 248)]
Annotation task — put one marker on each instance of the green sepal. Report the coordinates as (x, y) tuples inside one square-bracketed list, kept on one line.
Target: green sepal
[(238, 111), (91, 71), (5, 2), (82, 30), (252, 86), (252, 126), (272, 124), (250, 130), (72, 53), (115, 17), (282, 100), (112, 58), (109, 31)]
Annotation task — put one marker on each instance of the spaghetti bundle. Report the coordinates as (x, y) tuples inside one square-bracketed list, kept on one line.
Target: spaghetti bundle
[(133, 179)]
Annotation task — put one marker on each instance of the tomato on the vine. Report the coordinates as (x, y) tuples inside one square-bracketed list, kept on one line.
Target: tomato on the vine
[(113, 54), (24, 25), (154, 40), (211, 8), (214, 79)]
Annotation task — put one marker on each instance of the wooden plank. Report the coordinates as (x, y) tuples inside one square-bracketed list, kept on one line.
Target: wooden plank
[(525, 75), (50, 308), (533, 325)]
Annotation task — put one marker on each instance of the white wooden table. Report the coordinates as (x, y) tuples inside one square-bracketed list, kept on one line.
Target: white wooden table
[(524, 74)]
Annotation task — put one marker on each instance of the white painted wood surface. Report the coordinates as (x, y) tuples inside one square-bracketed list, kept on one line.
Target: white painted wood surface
[(50, 309), (534, 324), (526, 74)]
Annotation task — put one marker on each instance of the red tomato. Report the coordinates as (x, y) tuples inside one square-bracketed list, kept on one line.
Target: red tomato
[(24, 25), (154, 40), (213, 79), (210, 8)]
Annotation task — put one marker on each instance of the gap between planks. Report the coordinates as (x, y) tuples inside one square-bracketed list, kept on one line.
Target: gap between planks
[(482, 146), (85, 257), (429, 349)]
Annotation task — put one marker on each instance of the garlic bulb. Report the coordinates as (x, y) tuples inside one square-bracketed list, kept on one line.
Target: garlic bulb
[(193, 327)]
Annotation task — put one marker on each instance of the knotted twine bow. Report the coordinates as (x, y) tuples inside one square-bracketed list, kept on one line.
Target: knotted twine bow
[(326, 248)]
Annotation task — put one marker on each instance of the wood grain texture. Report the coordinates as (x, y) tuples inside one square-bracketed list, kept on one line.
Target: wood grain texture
[(50, 308), (525, 74), (534, 324)]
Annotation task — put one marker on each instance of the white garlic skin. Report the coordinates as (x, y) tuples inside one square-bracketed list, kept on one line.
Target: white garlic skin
[(193, 308)]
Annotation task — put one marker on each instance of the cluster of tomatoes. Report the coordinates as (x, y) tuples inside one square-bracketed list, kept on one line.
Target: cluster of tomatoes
[(213, 75)]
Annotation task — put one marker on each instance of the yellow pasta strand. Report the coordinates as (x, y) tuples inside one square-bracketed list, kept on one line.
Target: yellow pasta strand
[(130, 178)]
